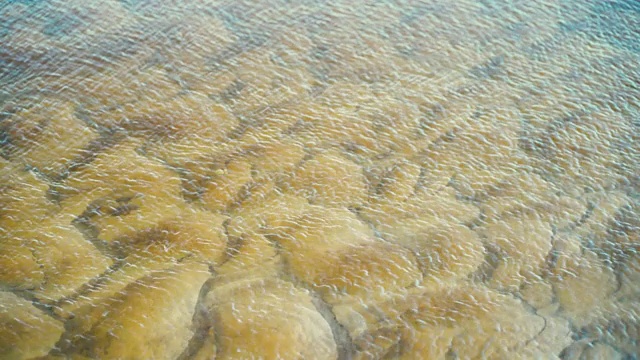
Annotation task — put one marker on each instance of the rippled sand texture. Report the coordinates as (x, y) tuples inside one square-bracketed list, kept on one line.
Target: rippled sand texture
[(301, 180)]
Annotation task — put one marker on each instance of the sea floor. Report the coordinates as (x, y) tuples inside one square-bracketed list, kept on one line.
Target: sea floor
[(204, 179)]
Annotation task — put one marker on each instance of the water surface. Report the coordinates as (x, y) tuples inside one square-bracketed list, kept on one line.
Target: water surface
[(319, 180)]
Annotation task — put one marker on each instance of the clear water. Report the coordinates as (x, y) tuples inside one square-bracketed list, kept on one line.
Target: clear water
[(319, 180)]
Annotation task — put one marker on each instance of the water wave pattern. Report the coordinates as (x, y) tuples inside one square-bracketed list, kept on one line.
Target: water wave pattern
[(395, 179)]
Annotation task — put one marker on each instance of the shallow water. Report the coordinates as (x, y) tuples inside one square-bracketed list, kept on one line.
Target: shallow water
[(319, 180)]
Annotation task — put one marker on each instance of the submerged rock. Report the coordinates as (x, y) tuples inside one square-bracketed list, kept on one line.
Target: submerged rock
[(318, 180)]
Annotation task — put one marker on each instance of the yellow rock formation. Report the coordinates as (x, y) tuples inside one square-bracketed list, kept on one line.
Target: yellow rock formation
[(205, 179), (269, 318), (149, 318), (25, 332)]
